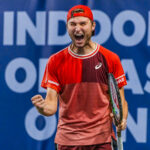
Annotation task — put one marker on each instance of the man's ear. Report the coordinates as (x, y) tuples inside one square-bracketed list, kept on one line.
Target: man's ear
[(67, 25), (93, 25), (93, 28)]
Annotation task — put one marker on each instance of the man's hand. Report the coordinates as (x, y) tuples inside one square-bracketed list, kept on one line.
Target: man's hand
[(47, 106), (38, 102), (122, 125)]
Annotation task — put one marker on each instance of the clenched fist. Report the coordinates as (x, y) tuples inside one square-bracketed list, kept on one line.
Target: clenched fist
[(38, 101), (48, 105)]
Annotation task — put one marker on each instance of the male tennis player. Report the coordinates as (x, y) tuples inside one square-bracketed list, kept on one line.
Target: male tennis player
[(78, 74)]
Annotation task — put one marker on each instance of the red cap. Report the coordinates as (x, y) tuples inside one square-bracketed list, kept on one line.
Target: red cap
[(80, 10)]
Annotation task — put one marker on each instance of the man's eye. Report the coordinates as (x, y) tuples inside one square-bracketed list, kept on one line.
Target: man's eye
[(72, 24), (83, 23)]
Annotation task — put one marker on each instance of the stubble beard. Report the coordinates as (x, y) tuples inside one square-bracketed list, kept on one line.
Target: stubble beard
[(86, 43)]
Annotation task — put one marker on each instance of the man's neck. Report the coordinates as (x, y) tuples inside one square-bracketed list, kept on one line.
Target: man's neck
[(88, 48)]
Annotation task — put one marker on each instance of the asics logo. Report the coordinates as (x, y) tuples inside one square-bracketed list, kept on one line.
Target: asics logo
[(98, 66)]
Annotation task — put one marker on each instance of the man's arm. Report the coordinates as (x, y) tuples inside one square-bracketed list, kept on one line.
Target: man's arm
[(48, 106), (123, 124)]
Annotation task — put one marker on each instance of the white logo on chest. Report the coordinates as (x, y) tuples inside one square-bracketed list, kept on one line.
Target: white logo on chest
[(99, 65)]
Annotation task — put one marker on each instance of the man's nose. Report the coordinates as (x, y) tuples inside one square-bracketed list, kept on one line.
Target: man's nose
[(77, 28)]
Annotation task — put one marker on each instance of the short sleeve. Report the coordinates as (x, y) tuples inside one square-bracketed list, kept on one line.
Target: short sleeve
[(114, 66), (50, 78), (118, 72)]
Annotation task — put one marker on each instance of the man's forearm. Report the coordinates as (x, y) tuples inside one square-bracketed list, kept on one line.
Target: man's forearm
[(47, 110)]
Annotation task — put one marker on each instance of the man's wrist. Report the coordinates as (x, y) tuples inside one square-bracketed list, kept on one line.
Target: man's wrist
[(124, 120), (40, 110)]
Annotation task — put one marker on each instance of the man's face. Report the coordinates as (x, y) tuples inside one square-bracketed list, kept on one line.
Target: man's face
[(80, 30)]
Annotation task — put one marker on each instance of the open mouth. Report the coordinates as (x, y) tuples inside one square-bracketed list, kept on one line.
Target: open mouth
[(79, 37)]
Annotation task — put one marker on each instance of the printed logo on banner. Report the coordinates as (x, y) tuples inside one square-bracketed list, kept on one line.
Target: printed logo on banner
[(25, 25)]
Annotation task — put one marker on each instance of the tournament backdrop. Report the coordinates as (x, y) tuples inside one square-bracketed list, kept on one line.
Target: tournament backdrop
[(32, 30)]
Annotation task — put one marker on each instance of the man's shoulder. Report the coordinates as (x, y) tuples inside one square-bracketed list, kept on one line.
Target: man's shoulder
[(108, 54), (60, 54), (106, 51)]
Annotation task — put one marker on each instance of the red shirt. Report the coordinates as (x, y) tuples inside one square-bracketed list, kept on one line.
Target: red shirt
[(82, 84)]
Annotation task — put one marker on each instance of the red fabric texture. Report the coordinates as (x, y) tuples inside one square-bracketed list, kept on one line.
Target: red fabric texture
[(82, 84)]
